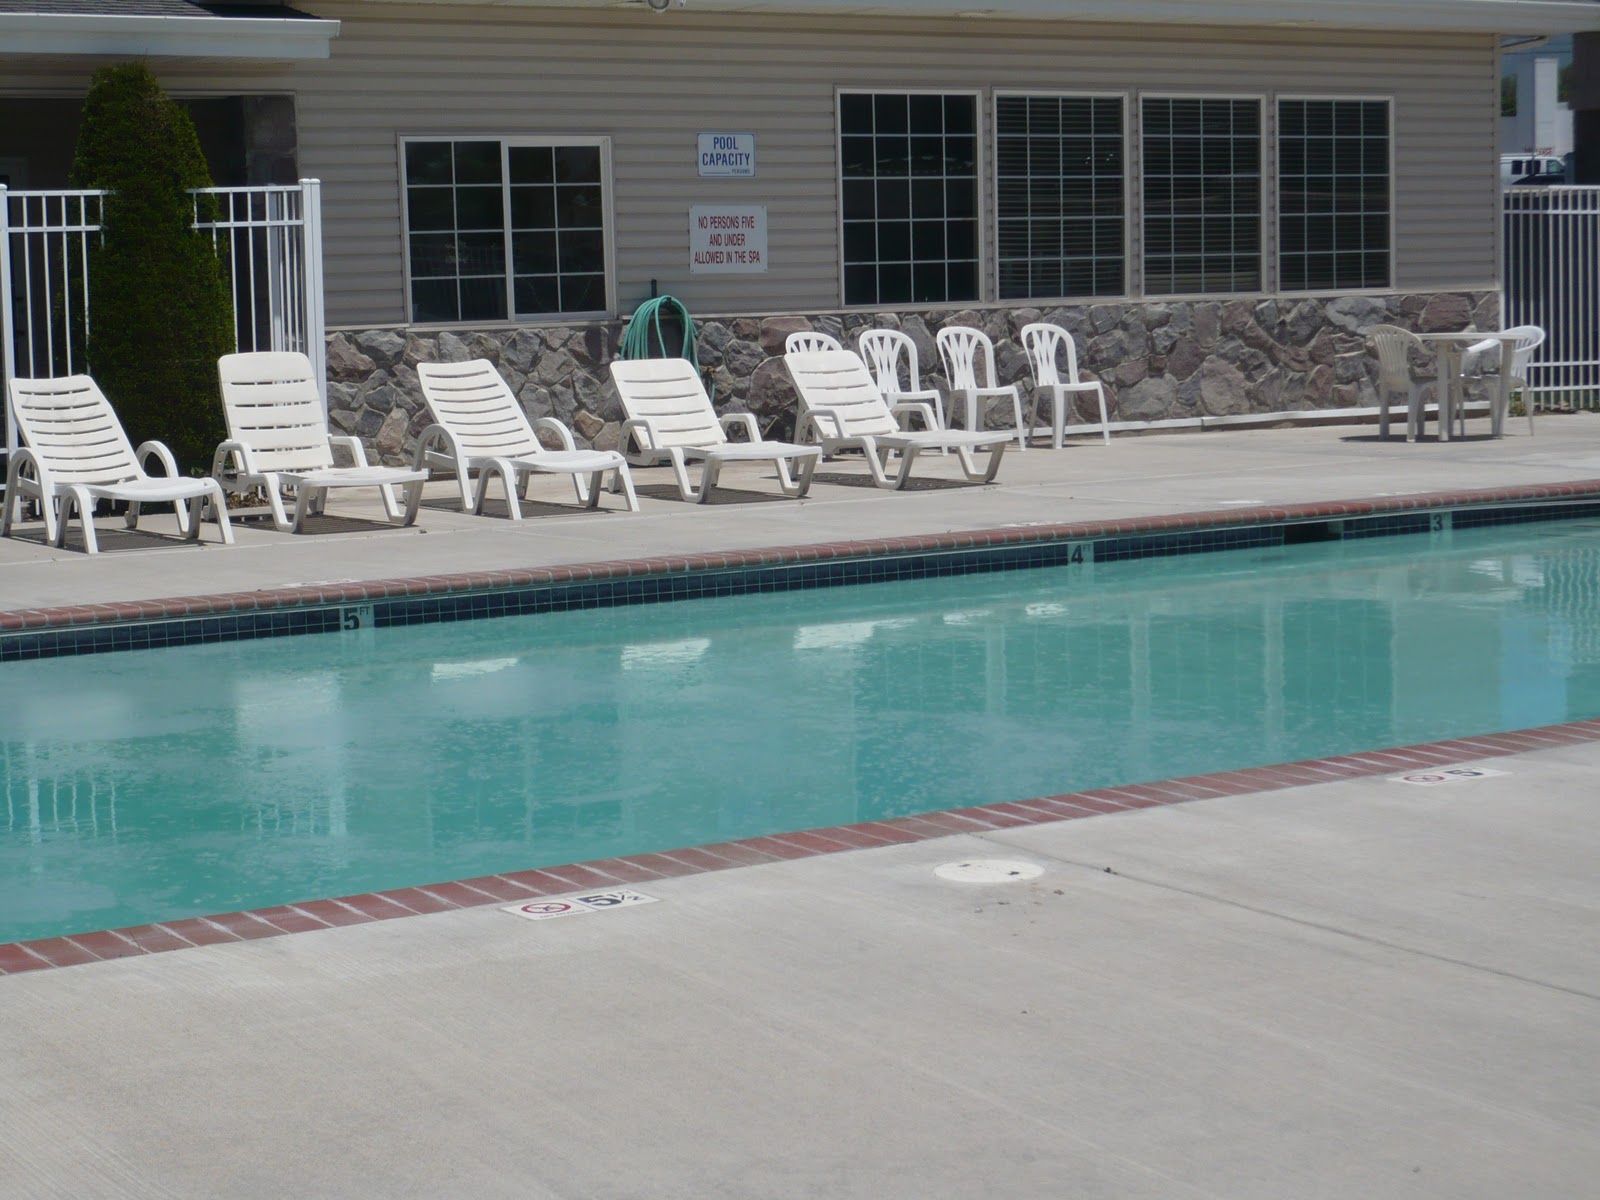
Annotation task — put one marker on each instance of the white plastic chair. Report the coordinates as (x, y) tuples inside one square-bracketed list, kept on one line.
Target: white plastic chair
[(1392, 347), (77, 454), (670, 418), (278, 439), (885, 351), (810, 339), (1512, 363), (480, 427), (841, 407), (969, 363), (1044, 342)]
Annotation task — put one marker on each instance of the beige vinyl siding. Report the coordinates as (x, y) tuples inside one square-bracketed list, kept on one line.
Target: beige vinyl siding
[(652, 82)]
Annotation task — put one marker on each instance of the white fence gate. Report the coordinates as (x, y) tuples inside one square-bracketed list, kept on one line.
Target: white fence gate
[(268, 238), (1552, 280)]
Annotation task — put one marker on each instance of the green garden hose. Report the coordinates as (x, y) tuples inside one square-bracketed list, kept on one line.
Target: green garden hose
[(646, 320)]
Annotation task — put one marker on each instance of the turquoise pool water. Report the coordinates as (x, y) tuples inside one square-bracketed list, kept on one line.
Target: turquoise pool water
[(152, 785)]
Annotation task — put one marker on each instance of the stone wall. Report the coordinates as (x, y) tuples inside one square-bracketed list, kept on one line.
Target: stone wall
[(1159, 361)]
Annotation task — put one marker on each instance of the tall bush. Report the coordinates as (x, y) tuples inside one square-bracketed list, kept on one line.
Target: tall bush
[(160, 313)]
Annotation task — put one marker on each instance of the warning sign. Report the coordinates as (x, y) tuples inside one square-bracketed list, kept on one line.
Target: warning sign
[(571, 906), (727, 239)]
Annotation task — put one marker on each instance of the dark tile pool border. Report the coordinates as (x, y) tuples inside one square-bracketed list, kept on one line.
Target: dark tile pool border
[(232, 616), (79, 948)]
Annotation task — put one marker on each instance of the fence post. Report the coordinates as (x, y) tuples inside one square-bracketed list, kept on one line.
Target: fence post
[(316, 316), (8, 356)]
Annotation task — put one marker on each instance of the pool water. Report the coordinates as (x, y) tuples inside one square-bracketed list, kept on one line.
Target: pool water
[(152, 785)]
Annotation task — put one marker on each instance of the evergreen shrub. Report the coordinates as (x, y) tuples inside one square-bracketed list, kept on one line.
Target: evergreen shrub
[(160, 313)]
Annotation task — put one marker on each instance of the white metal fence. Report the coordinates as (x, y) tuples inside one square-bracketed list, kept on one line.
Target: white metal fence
[(1552, 280), (268, 238)]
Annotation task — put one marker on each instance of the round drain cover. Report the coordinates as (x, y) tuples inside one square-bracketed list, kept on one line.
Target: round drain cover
[(988, 870)]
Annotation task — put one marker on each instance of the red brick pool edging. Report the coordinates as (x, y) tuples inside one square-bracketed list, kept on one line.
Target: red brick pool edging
[(359, 592), (79, 948)]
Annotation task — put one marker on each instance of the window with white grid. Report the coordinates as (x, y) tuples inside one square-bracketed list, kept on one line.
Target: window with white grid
[(908, 165), (1334, 194), (505, 226), (1202, 195), (1061, 210)]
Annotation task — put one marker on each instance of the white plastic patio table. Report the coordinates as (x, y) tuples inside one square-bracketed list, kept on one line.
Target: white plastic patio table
[(1451, 395)]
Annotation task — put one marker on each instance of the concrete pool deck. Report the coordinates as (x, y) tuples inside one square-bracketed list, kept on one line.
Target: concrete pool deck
[(1350, 987)]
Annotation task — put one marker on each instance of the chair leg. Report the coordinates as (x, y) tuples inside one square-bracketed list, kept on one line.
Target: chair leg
[(624, 477), (76, 498)]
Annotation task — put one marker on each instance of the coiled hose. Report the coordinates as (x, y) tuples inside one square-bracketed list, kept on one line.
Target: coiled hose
[(646, 321)]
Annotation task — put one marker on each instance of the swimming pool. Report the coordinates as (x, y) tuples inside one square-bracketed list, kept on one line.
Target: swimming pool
[(152, 785)]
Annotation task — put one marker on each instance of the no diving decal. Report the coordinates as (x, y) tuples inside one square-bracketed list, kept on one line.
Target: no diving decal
[(1452, 775), (572, 906)]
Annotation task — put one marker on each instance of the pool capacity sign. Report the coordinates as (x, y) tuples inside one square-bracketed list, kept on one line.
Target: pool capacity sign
[(726, 155), (726, 239)]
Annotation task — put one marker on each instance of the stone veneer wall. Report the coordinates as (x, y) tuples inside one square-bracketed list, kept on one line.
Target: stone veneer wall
[(1158, 360)]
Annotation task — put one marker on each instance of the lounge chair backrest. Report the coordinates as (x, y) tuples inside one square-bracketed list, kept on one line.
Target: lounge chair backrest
[(668, 393), (1043, 343), (72, 430), (1393, 347), (968, 356), (810, 339), (472, 400), (274, 407), (884, 351), (839, 380)]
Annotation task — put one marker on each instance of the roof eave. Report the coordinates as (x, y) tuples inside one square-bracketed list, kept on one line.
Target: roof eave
[(166, 37), (1487, 17)]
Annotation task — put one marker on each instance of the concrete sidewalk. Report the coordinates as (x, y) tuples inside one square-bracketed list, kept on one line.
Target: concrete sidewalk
[(1356, 988), (1132, 477)]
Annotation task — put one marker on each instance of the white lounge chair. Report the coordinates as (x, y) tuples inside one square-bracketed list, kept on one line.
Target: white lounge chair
[(1044, 342), (1513, 351), (77, 455), (479, 426), (670, 419), (810, 339), (278, 438), (1393, 346), (969, 362), (841, 407), (885, 351)]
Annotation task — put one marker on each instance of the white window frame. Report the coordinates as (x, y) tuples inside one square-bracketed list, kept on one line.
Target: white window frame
[(1128, 206), (980, 193), (1267, 209), (1277, 194), (507, 142)]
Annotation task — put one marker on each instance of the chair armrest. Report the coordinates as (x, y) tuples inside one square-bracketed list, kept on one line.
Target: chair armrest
[(21, 458), (744, 420), (159, 452), (437, 436), (818, 417), (1486, 344), (643, 433), (557, 428), (915, 409), (245, 464), (352, 444)]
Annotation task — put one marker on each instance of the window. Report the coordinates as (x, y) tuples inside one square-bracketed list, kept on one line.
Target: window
[(908, 168), (505, 227), (1333, 194), (1061, 208), (1202, 195)]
